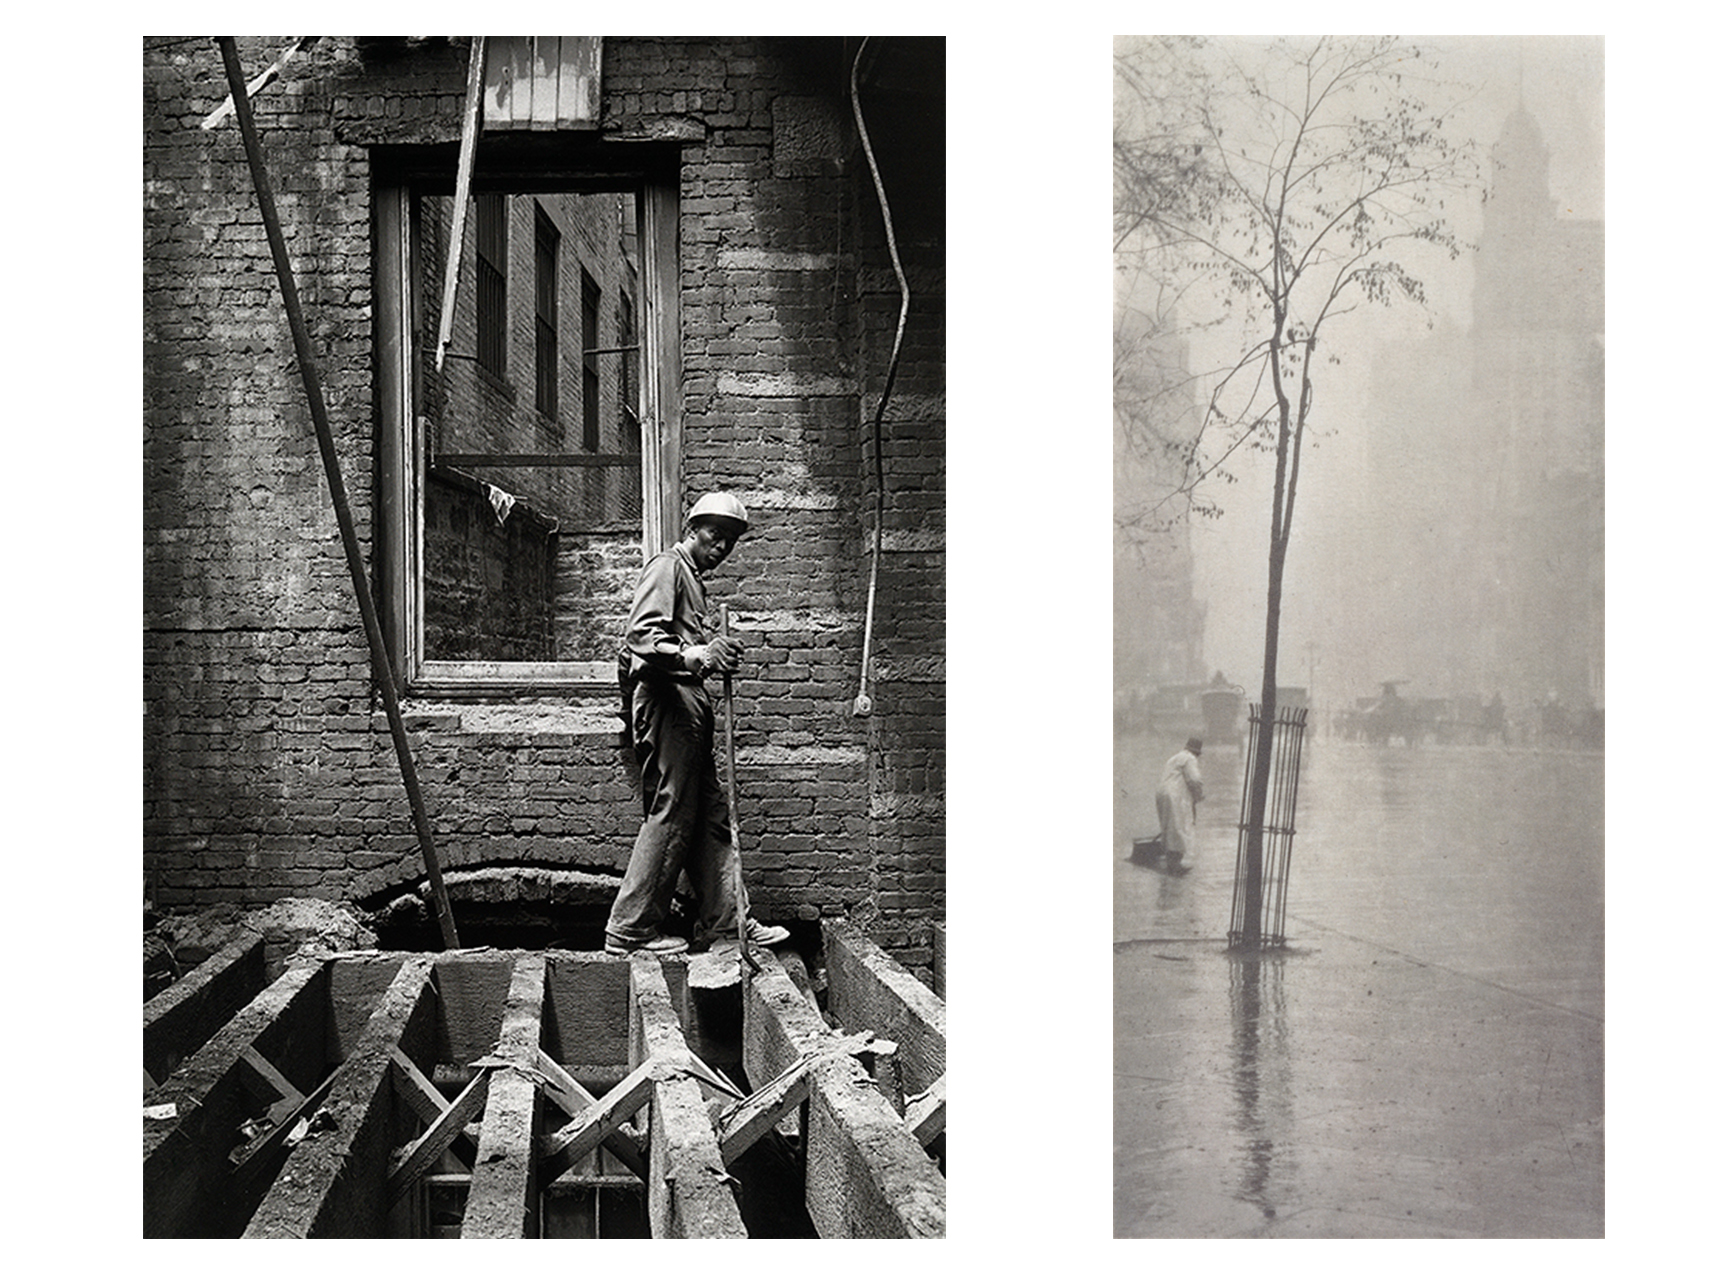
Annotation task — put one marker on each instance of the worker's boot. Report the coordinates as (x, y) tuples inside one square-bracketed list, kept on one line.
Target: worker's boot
[(1174, 863)]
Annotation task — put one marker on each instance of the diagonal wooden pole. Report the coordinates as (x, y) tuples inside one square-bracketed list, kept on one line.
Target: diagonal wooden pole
[(470, 124), (382, 671)]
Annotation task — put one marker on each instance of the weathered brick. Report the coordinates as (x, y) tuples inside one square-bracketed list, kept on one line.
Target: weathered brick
[(261, 728)]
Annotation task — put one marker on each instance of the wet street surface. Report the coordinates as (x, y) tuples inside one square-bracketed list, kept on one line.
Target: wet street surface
[(1426, 1057)]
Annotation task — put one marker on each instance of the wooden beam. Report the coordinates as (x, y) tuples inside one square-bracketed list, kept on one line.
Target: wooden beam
[(469, 124), (866, 1177), (289, 1097), (501, 1201), (573, 1098), (925, 1113), (869, 987), (567, 1147), (419, 1093), (437, 1138), (181, 1019), (334, 1184), (689, 1193), (185, 1164), (748, 1120), (256, 1159)]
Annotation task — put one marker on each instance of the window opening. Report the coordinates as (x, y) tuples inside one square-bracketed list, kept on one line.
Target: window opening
[(509, 555), (548, 246), (591, 401), (629, 408), (492, 284)]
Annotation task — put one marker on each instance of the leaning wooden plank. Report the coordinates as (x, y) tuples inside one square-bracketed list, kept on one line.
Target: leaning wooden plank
[(690, 1194), (413, 1088), (501, 1201), (750, 1119), (870, 989), (469, 124), (258, 1160), (287, 1096), (572, 1097), (568, 1146), (439, 1136), (180, 1019), (866, 1176), (185, 1165), (925, 1113), (333, 1181)]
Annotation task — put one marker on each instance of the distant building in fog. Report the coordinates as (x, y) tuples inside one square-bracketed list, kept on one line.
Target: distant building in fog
[(1158, 624), (1485, 462)]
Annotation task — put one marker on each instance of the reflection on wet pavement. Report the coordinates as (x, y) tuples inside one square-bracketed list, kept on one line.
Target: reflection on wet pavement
[(1425, 1060)]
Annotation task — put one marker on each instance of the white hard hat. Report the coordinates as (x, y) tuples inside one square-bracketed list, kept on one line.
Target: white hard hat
[(719, 504)]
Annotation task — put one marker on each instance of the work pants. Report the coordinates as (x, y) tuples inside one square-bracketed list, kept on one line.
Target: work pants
[(686, 826)]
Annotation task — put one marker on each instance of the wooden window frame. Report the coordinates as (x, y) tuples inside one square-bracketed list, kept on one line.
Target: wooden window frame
[(400, 175)]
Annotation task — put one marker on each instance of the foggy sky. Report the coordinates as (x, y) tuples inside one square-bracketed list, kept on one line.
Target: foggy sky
[(1559, 81)]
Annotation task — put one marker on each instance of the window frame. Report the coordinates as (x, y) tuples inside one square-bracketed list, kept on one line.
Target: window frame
[(401, 175)]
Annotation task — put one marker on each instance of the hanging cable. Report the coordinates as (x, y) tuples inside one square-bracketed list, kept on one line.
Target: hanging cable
[(863, 701)]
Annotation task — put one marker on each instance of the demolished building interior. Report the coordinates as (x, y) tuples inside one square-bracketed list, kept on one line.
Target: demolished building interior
[(455, 1081)]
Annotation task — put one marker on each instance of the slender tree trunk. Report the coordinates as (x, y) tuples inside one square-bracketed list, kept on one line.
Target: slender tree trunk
[(1260, 778)]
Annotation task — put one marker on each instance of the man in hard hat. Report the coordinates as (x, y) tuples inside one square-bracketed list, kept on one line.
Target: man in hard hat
[(668, 652), (1180, 790)]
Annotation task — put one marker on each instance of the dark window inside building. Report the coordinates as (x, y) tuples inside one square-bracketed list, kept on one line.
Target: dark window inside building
[(492, 284), (548, 244), (591, 298)]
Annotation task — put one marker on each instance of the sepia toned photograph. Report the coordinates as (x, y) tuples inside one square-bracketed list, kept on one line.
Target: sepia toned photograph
[(1359, 678), (542, 636)]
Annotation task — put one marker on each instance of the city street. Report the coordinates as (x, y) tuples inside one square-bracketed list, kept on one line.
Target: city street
[(1426, 1057)]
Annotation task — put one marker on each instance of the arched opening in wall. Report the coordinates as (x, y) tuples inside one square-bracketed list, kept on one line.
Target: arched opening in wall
[(528, 908)]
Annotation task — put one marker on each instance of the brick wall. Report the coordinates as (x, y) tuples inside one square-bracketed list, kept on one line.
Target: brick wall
[(268, 769)]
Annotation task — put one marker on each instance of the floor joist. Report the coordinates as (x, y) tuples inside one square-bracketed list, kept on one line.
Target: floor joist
[(690, 1194), (868, 986), (333, 1182), (865, 1175), (397, 1095), (185, 1156), (501, 1202), (182, 1018)]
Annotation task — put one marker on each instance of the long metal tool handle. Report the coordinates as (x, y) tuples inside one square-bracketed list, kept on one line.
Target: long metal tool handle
[(734, 814), (379, 662)]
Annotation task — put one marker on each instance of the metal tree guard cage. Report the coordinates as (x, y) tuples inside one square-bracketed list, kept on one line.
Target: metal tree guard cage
[(1279, 830)]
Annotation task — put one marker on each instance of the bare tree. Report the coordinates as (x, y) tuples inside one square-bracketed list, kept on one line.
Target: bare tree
[(1273, 192)]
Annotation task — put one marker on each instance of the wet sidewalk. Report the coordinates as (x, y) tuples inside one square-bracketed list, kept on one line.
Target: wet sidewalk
[(1425, 1060)]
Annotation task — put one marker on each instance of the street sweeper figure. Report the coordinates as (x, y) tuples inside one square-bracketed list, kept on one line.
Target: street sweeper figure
[(1180, 791)]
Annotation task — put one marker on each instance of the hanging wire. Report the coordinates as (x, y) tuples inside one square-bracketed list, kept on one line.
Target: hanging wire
[(863, 701)]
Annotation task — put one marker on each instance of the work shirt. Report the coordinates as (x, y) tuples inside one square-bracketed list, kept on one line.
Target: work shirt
[(669, 615)]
